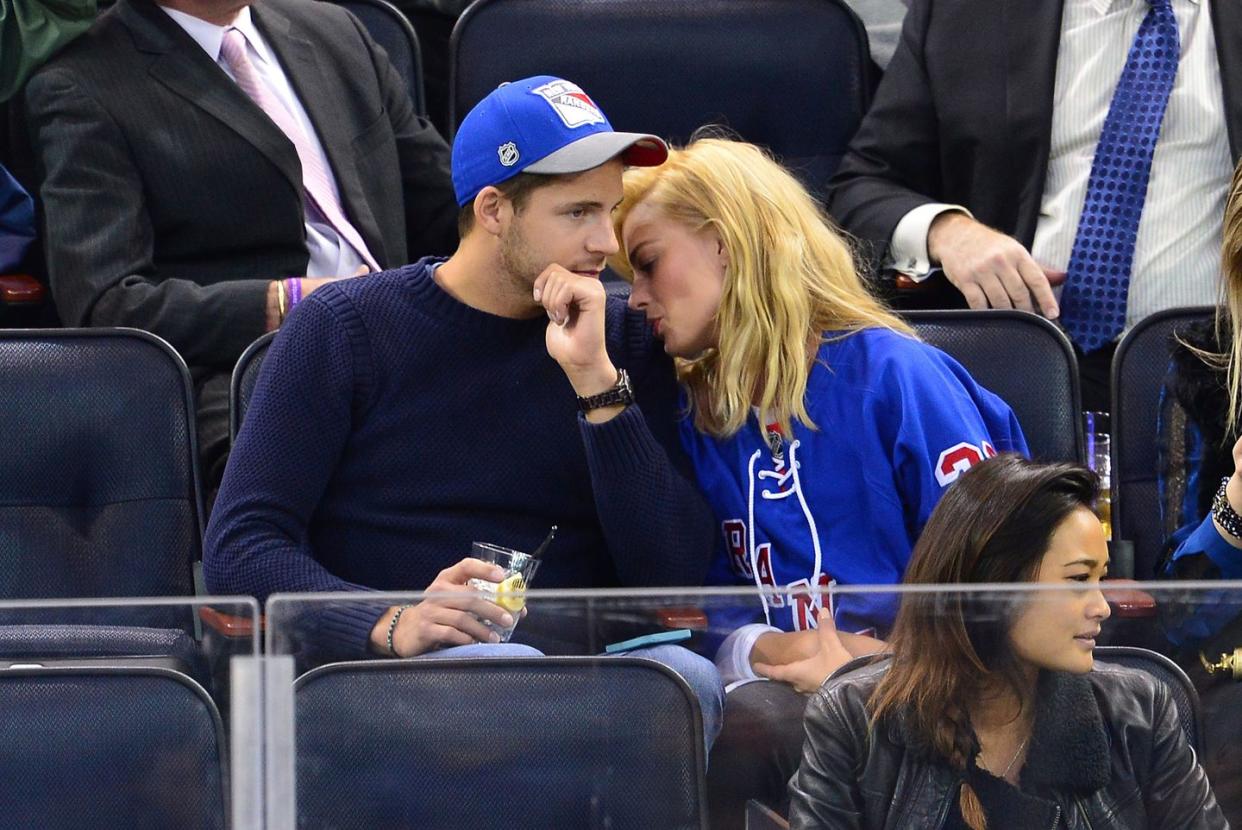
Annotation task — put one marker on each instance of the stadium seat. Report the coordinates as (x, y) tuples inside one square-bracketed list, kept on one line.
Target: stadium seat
[(102, 645), (792, 75), (391, 30), (1140, 365), (245, 376), (498, 743), (110, 748), (100, 496), (1025, 360)]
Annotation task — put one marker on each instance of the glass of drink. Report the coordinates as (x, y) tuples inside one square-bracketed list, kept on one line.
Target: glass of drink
[(1099, 459), (510, 592)]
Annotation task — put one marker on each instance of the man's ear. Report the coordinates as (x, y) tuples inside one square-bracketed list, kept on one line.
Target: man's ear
[(491, 210)]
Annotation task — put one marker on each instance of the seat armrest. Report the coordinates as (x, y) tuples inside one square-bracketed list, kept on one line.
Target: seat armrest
[(229, 625), (20, 289), (691, 618), (1128, 603)]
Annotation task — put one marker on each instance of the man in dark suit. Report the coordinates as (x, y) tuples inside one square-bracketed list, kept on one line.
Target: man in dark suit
[(186, 187), (965, 164)]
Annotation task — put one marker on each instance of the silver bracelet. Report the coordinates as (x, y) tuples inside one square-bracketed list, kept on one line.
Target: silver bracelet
[(392, 627)]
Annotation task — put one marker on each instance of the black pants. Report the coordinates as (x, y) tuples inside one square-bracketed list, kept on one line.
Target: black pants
[(1095, 378), (758, 751), (211, 393)]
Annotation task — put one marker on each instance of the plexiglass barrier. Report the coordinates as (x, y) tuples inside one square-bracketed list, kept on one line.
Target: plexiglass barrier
[(117, 713), (685, 709)]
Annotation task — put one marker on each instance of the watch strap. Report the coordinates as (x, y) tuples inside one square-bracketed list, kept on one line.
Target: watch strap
[(621, 394)]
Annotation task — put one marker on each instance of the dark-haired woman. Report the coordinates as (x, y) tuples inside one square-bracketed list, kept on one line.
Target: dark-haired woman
[(991, 713)]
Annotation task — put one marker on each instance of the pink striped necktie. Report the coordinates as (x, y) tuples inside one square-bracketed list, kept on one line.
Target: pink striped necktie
[(316, 180)]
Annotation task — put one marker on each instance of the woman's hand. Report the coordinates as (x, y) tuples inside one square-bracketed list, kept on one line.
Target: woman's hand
[(824, 654)]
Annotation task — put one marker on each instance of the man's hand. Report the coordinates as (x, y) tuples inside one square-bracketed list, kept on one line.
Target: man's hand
[(990, 268), (437, 622), (809, 673), (576, 306), (309, 284)]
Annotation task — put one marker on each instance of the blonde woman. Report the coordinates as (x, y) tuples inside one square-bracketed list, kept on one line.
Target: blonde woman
[(1202, 486), (821, 430)]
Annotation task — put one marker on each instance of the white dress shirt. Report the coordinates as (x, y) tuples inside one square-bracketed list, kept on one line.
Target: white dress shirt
[(330, 255), (1177, 253)]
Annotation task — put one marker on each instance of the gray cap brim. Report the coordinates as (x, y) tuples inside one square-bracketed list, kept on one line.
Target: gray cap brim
[(636, 149)]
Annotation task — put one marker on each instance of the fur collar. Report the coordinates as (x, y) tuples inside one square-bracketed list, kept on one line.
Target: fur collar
[(1069, 745)]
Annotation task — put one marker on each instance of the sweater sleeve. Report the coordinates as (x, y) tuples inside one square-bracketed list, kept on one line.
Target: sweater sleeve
[(942, 424), (658, 526), (312, 383)]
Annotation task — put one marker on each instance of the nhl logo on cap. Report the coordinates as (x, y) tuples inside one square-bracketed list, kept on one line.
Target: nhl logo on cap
[(574, 107), (508, 153)]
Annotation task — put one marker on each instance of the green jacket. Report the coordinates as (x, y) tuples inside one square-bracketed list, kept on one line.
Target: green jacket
[(32, 30)]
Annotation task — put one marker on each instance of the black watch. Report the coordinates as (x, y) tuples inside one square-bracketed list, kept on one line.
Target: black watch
[(619, 395)]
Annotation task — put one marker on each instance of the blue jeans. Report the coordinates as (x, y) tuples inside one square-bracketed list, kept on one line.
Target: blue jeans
[(699, 672)]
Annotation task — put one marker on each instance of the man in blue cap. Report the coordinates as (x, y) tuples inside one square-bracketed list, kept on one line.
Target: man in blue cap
[(399, 418)]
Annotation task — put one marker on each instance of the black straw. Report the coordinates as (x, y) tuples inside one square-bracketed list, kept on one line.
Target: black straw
[(544, 544)]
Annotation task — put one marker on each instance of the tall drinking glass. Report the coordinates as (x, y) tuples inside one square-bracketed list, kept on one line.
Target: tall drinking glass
[(1099, 459), (510, 592)]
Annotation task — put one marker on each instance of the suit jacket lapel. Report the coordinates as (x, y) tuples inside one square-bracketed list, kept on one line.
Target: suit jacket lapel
[(179, 64), (321, 95), (1227, 24), (1033, 35)]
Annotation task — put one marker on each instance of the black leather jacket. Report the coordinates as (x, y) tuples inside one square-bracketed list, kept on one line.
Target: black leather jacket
[(1106, 752)]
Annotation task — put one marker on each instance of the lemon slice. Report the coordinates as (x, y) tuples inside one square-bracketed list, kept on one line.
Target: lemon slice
[(510, 593)]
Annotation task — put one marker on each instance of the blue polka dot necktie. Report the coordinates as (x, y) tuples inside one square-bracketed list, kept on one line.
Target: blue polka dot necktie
[(1093, 302)]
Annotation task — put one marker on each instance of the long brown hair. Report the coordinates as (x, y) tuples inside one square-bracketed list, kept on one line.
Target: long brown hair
[(993, 526)]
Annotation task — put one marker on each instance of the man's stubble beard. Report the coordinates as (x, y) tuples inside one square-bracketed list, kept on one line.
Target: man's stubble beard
[(520, 264)]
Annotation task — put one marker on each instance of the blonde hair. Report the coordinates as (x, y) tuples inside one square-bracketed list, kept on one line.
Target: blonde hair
[(1229, 313), (1229, 308), (790, 278)]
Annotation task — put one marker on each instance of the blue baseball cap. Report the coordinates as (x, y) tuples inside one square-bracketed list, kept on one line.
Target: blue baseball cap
[(540, 125)]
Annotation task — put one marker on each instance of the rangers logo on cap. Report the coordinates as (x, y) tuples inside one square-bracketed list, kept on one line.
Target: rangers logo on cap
[(508, 153), (570, 103)]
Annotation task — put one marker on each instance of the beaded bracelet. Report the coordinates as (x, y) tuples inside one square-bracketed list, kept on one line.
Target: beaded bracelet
[(392, 627), (1224, 513)]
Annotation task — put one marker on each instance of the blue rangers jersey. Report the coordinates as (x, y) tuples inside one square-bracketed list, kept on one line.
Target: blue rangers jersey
[(897, 421)]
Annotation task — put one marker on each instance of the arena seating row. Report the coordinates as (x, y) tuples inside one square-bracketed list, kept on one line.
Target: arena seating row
[(792, 75), (100, 442)]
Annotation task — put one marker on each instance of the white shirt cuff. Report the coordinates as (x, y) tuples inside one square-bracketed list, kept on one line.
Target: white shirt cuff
[(907, 251), (733, 656)]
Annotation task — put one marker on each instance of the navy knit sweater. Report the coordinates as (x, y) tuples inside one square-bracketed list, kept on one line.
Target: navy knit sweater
[(392, 425)]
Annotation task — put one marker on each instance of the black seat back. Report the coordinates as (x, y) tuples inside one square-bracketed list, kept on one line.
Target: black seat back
[(110, 748), (499, 743), (245, 376), (390, 29), (100, 494), (1025, 360), (791, 75), (1140, 365)]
